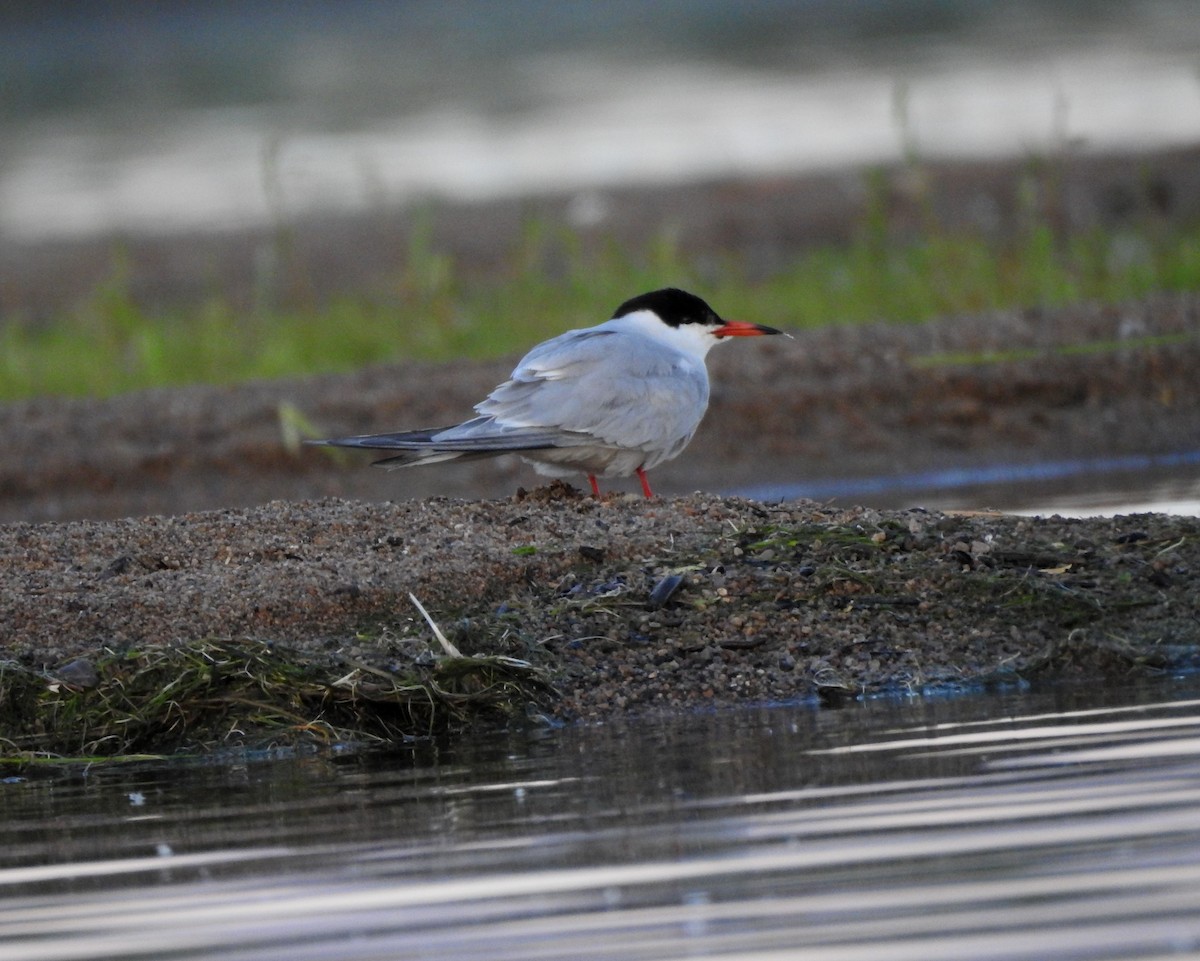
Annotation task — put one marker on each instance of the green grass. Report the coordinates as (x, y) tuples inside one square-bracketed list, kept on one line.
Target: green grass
[(436, 311)]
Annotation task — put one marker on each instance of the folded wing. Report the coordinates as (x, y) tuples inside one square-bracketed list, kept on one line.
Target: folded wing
[(583, 389), (613, 386)]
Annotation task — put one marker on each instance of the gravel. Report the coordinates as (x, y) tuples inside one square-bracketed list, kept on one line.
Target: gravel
[(767, 602)]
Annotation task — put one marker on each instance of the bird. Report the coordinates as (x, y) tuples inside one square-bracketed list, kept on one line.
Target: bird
[(612, 400)]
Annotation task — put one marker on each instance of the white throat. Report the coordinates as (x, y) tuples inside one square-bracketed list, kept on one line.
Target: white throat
[(692, 340)]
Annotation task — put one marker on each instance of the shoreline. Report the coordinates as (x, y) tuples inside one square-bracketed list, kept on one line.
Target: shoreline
[(293, 622), (180, 539), (1020, 387)]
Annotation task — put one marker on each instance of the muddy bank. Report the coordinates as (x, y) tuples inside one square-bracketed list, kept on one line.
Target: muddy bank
[(617, 607), (1012, 388)]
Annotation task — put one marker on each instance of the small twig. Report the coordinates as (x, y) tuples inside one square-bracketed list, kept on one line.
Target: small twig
[(1171, 547), (450, 649)]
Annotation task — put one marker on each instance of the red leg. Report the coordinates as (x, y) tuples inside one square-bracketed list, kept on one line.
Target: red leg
[(645, 483), (595, 486)]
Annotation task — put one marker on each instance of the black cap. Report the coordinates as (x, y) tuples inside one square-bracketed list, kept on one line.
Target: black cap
[(673, 306)]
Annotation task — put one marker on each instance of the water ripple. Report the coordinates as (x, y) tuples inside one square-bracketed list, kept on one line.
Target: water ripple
[(1071, 834)]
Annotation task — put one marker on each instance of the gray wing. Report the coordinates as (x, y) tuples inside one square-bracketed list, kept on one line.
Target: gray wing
[(614, 386), (480, 437), (476, 435), (584, 387)]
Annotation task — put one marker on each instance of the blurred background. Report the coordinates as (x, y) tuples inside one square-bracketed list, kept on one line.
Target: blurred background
[(136, 115), (974, 209)]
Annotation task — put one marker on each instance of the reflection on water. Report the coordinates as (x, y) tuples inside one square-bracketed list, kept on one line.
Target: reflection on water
[(1065, 824), (1103, 486)]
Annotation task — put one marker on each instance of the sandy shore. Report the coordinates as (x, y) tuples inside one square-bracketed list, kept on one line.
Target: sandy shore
[(184, 522), (619, 606)]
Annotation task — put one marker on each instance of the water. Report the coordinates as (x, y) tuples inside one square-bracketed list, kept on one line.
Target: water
[(1084, 487), (1061, 824), (167, 117)]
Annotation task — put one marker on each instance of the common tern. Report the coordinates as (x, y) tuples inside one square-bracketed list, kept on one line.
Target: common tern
[(609, 401)]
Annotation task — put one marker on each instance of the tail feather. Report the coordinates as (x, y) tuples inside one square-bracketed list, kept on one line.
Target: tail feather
[(433, 445), (415, 458), (405, 440)]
